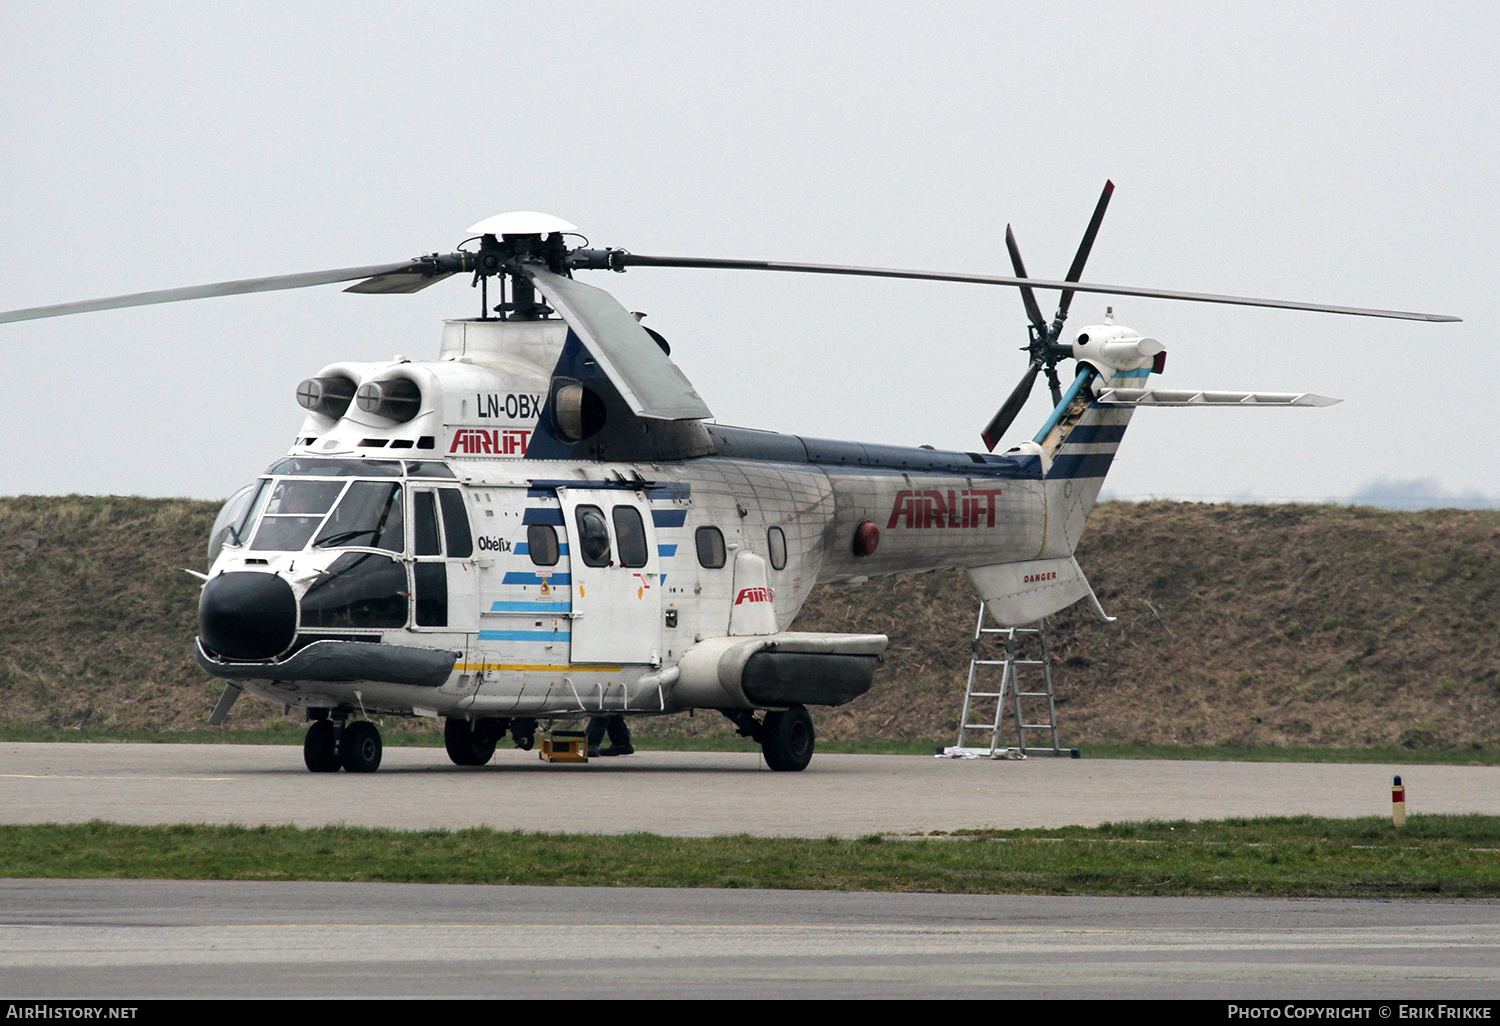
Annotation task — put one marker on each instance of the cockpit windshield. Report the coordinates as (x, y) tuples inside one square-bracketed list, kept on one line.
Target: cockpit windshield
[(314, 501), (294, 511), (369, 516)]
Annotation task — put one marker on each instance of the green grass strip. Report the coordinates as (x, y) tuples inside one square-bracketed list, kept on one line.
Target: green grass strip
[(1433, 856)]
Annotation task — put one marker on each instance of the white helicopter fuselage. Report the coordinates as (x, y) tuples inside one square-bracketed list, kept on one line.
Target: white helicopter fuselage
[(442, 565)]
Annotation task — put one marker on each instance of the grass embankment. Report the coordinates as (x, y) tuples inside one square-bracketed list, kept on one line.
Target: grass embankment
[(1433, 856), (1304, 628)]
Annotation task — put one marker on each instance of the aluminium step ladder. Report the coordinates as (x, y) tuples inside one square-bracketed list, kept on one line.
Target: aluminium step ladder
[(1038, 671)]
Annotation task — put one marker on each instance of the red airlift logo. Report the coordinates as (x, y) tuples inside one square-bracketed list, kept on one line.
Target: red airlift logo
[(490, 442), (753, 595), (955, 507)]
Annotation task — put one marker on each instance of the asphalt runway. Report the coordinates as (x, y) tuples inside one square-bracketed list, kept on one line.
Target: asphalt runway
[(122, 940), (694, 793), (145, 939)]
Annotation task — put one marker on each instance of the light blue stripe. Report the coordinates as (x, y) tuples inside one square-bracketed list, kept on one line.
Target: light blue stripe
[(531, 607), (1078, 382), (524, 636), (1143, 372), (667, 550)]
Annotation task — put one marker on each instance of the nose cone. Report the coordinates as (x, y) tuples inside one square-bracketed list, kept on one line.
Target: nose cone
[(247, 615)]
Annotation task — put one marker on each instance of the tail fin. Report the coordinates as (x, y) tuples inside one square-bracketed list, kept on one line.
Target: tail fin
[(1077, 445), (1080, 440)]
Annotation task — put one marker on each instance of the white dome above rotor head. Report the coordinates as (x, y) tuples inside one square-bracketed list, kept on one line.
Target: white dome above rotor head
[(521, 222)]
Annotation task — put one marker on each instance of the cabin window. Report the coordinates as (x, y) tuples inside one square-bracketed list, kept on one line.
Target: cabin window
[(369, 516), (593, 536), (710, 542), (541, 544), (456, 524), (630, 534), (425, 538), (776, 542)]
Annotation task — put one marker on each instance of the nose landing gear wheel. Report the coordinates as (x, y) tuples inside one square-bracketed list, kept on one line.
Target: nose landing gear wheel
[(318, 749), (787, 739), (361, 749)]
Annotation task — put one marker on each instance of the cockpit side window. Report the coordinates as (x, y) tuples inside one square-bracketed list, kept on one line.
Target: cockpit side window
[(369, 516), (235, 516), (425, 540), (456, 524)]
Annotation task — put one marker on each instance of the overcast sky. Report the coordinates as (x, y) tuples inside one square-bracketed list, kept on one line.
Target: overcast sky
[(1340, 153)]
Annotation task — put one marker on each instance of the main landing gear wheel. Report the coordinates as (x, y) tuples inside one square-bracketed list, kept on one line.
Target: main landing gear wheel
[(319, 748), (466, 746), (787, 738), (360, 752)]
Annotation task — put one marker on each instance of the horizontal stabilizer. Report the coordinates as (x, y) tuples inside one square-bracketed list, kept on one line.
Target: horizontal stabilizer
[(1190, 397), (1022, 593)]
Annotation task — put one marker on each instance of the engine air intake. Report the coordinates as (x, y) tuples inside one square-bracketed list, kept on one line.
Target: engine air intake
[(328, 396), (397, 399)]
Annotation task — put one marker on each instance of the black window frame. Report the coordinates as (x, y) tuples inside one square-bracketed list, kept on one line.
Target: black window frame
[(581, 517), (708, 531), (776, 539), (426, 530), (457, 533), (630, 539), (547, 531)]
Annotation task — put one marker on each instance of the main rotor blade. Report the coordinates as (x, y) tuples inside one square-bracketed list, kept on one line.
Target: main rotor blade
[(1001, 421), (647, 379), (223, 288), (1028, 297), (620, 259), (1081, 257)]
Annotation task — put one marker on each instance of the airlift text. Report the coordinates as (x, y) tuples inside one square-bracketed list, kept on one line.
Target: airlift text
[(483, 442), (971, 507)]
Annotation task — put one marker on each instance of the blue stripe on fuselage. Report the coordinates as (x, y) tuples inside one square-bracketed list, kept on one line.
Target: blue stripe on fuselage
[(1086, 433), (1089, 464), (521, 577)]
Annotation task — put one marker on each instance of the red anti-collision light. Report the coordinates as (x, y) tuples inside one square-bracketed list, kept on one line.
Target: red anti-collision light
[(1159, 362), (866, 538)]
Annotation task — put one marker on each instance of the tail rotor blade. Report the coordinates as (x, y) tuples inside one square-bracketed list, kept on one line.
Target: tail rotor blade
[(1033, 311), (1076, 271), (1007, 413)]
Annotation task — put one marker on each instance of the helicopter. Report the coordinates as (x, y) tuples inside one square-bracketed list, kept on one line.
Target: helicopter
[(546, 523)]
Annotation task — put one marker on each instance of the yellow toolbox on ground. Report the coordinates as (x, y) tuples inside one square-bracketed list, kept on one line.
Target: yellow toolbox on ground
[(564, 746)]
